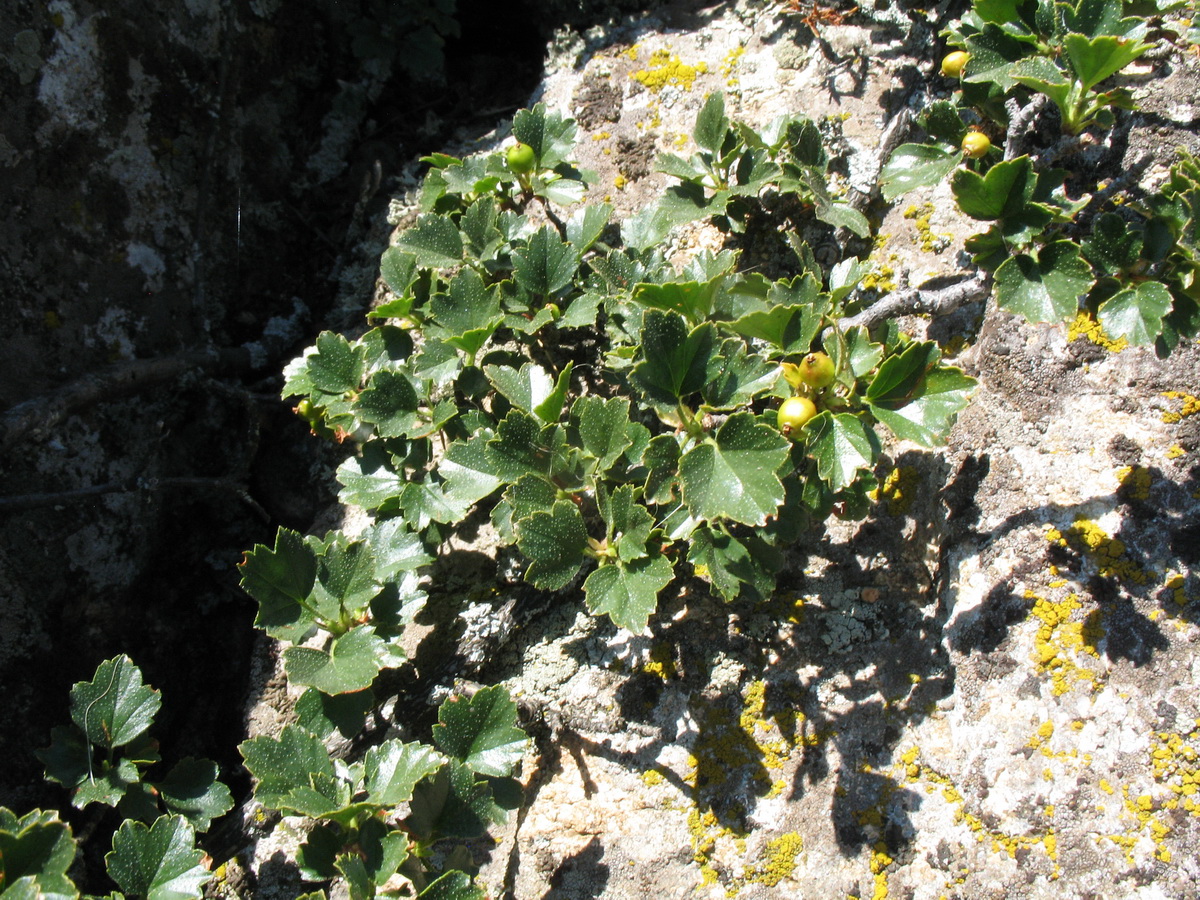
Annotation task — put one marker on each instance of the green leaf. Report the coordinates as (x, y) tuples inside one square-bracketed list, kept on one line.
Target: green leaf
[(1111, 247), (36, 850), (350, 665), (281, 579), (159, 862), (393, 768), (674, 361), (739, 377), (711, 124), (692, 299), (1136, 314), (481, 731), (193, 791), (516, 449), (115, 706), (478, 225), (735, 568), (661, 458), (628, 522), (469, 313), (336, 367), (546, 264), (369, 483), (862, 354), (1004, 191), (424, 502), (554, 541), (454, 885), (992, 54), (107, 784), (346, 579), (399, 270), (1045, 287), (548, 133), (842, 445), (434, 241), (1042, 75), (390, 404), (627, 592), (842, 215), (916, 165), (928, 416), (602, 427), (1095, 59), (294, 773), (396, 548), (527, 495), (323, 714), (587, 224), (532, 389), (733, 474), (469, 471)]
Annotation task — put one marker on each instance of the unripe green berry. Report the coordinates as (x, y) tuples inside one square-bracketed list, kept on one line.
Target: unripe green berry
[(520, 159), (793, 413), (976, 145), (817, 370), (954, 63)]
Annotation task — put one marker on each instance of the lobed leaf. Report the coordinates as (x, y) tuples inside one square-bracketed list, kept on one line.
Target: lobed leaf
[(192, 790), (157, 862), (1045, 287), (481, 731), (1136, 313), (115, 707), (627, 591), (732, 475), (393, 768), (554, 541), (350, 664), (842, 446)]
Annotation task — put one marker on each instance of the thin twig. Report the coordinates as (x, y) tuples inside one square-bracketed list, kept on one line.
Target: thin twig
[(1020, 120), (21, 502), (935, 301), (37, 417)]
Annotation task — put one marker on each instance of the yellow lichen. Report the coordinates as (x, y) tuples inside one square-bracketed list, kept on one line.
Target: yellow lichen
[(1107, 553), (899, 490), (651, 777), (1135, 482), (778, 860), (666, 69), (1058, 639), (1175, 452), (930, 241), (661, 662), (1085, 326), (1189, 407)]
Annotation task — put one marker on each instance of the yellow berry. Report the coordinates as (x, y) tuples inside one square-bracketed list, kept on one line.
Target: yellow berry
[(976, 145), (954, 63)]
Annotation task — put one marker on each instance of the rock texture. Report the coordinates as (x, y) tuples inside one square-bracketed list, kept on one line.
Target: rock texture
[(986, 689)]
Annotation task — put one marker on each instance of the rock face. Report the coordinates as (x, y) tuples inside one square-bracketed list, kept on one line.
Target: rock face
[(987, 688)]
